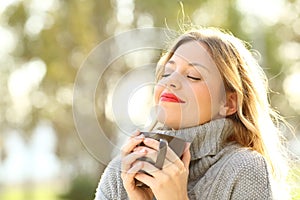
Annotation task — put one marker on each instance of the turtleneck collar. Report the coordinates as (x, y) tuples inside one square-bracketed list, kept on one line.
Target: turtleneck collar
[(206, 139)]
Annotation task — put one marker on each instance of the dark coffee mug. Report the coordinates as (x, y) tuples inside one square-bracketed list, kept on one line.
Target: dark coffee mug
[(175, 143)]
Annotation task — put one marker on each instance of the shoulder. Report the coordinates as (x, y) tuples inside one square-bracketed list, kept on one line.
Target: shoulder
[(246, 163), (234, 159), (244, 158), (247, 173)]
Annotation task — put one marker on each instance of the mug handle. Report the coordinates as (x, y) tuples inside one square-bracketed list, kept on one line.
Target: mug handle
[(163, 145)]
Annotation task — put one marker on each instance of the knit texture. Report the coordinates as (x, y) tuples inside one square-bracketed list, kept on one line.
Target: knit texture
[(218, 169)]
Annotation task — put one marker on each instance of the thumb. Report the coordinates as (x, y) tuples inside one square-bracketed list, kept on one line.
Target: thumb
[(186, 156)]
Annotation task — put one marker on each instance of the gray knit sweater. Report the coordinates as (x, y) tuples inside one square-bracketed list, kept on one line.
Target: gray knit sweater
[(218, 169)]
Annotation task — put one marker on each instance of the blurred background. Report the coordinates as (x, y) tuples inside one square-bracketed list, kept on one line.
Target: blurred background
[(42, 46)]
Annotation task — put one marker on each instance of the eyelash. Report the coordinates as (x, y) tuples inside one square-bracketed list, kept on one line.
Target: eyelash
[(165, 75), (190, 77), (194, 78)]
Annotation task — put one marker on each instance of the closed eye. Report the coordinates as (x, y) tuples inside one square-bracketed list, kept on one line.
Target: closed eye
[(194, 78), (165, 75)]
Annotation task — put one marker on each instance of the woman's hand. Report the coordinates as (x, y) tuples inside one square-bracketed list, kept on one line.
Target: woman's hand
[(130, 168), (171, 181)]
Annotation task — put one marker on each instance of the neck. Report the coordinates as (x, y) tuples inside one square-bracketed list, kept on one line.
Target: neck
[(205, 139)]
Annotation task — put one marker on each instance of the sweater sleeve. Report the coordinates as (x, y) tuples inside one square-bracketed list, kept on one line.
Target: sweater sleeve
[(251, 178), (111, 185)]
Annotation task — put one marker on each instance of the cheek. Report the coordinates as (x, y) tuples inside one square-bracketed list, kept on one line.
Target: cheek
[(157, 92), (203, 100), (202, 103), (208, 100)]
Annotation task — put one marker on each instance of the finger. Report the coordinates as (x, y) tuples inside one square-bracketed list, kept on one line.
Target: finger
[(156, 174), (149, 169), (131, 144), (136, 167), (151, 154), (146, 179), (174, 163), (128, 160), (139, 148), (128, 177), (186, 157), (136, 133), (154, 144)]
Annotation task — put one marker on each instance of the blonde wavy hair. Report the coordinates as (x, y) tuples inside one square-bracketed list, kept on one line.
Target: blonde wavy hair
[(255, 122)]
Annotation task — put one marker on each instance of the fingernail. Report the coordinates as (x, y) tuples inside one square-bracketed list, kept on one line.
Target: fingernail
[(136, 133), (188, 145), (140, 137), (140, 164), (143, 150)]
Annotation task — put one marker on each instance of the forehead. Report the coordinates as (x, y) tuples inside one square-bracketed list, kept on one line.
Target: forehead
[(194, 52)]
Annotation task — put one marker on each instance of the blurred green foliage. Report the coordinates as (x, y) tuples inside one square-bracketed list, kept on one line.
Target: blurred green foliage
[(73, 28), (82, 187)]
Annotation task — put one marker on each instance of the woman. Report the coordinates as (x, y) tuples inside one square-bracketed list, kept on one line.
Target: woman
[(211, 92)]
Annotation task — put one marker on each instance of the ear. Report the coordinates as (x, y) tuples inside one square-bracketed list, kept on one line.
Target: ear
[(230, 106)]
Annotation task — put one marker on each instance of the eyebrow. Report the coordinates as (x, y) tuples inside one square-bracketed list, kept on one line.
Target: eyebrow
[(192, 64), (199, 65)]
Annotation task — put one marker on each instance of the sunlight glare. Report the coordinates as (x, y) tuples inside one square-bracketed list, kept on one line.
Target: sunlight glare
[(6, 3), (139, 105), (25, 79), (10, 42), (124, 11), (291, 88), (268, 10)]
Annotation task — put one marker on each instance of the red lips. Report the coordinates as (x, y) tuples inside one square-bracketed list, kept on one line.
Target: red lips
[(169, 97)]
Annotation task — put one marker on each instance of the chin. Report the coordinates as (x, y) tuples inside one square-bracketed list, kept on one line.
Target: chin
[(174, 124), (167, 122)]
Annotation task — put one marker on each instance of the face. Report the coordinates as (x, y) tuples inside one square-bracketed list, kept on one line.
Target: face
[(190, 90)]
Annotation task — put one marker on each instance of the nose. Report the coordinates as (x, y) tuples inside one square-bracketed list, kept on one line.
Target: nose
[(173, 81)]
